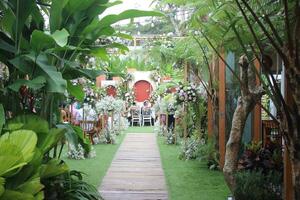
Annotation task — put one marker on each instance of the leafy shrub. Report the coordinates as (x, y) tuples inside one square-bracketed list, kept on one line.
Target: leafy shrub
[(256, 157), (76, 153), (208, 152), (260, 173), (171, 137), (255, 185), (189, 148), (70, 186), (23, 166), (27, 168)]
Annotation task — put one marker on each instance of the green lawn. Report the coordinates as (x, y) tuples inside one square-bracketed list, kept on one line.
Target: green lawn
[(140, 129), (95, 168), (190, 180)]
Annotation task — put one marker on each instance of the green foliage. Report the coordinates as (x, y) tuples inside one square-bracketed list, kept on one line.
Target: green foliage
[(22, 168), (28, 49), (70, 186), (74, 136), (209, 154), (254, 185), (2, 117), (47, 138), (28, 171)]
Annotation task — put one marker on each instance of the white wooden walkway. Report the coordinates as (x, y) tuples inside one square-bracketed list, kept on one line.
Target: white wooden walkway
[(136, 172)]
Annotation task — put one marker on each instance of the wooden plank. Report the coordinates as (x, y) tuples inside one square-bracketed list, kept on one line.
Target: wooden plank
[(222, 110), (136, 171), (257, 112), (288, 182)]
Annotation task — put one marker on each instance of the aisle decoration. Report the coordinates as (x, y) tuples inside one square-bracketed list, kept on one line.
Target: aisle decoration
[(113, 108), (186, 93), (129, 98)]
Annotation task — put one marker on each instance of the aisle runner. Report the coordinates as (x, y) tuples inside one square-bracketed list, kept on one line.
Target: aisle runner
[(136, 172)]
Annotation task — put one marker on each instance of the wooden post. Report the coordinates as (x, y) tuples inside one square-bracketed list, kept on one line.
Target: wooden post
[(186, 71), (222, 110), (257, 112), (288, 182), (288, 176), (209, 117)]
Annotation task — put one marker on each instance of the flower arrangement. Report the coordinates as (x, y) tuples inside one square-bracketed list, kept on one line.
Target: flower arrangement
[(186, 93), (76, 153), (100, 92), (153, 97), (90, 96), (129, 98), (118, 105), (155, 76), (109, 104), (105, 105), (121, 91), (171, 108)]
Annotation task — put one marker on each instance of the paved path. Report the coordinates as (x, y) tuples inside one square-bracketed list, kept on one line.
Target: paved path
[(136, 172)]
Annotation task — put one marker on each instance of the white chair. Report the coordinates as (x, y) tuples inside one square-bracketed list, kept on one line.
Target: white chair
[(135, 116), (146, 116)]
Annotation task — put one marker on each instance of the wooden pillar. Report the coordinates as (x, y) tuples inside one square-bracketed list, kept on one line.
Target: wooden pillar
[(222, 110), (186, 74), (209, 118), (210, 110), (288, 177), (288, 181), (256, 123)]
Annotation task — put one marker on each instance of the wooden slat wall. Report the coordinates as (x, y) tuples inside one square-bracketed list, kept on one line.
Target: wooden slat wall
[(222, 110)]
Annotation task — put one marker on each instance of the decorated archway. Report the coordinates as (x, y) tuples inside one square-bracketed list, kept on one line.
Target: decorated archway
[(142, 90), (111, 90)]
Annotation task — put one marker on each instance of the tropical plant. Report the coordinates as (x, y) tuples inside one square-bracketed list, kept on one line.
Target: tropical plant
[(70, 185), (255, 185), (258, 30), (264, 159), (48, 60), (208, 153), (24, 166)]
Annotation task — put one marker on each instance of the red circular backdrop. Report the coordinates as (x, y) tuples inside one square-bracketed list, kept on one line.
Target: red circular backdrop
[(142, 90)]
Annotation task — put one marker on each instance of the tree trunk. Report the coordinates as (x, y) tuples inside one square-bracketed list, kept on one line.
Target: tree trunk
[(250, 94), (234, 143)]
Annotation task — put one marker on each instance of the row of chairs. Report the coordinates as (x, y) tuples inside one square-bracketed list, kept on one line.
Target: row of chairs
[(141, 117), (90, 128)]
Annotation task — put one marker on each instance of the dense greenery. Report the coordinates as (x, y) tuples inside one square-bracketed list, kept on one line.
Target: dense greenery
[(43, 47)]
